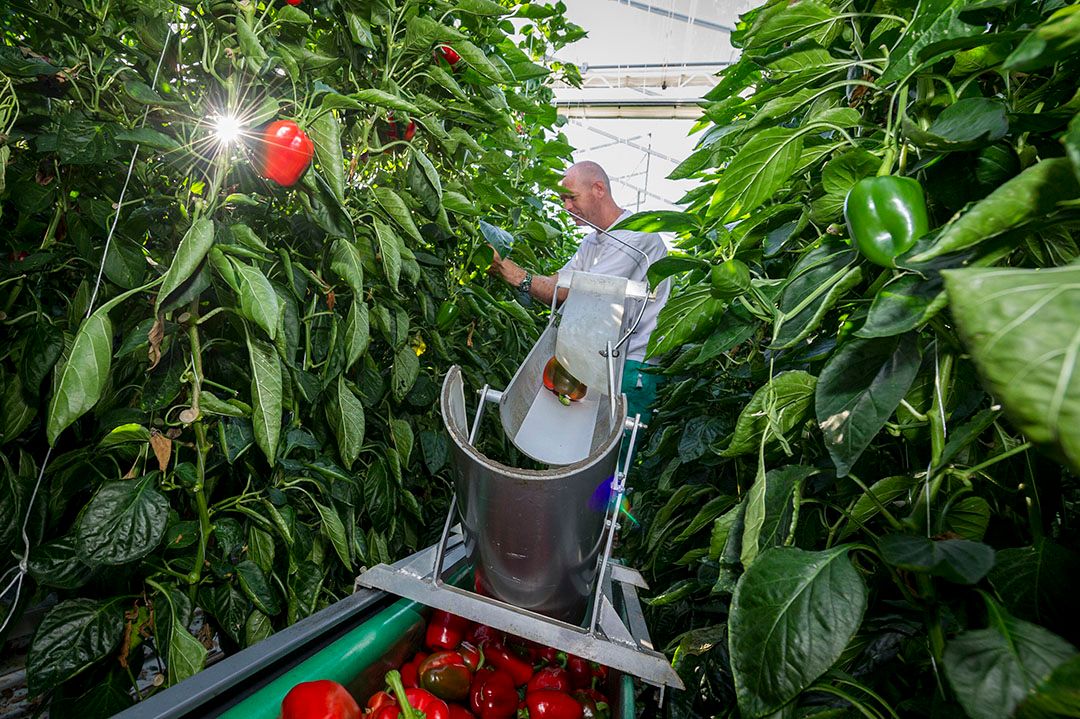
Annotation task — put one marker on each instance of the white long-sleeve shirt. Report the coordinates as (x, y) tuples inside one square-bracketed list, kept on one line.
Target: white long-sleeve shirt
[(603, 255)]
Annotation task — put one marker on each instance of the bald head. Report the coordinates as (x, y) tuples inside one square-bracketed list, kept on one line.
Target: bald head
[(589, 172), (588, 195)]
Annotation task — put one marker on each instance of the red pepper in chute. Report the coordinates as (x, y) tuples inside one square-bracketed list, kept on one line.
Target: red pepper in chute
[(502, 658), (549, 704), (482, 635), (492, 695), (548, 655), (445, 675), (555, 678), (320, 699), (445, 630), (593, 704), (410, 670), (432, 706), (580, 672), (473, 655), (459, 712), (378, 701)]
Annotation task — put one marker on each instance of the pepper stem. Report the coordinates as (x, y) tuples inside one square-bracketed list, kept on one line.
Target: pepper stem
[(393, 679)]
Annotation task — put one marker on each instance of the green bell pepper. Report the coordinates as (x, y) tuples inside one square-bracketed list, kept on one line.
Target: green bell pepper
[(885, 216)]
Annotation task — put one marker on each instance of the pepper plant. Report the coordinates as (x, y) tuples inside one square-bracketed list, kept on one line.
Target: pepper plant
[(242, 243), (859, 493)]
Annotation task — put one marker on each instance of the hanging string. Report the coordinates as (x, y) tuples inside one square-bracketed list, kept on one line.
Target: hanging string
[(24, 561)]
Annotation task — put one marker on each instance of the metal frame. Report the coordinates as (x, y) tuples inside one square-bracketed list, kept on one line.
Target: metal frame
[(624, 646)]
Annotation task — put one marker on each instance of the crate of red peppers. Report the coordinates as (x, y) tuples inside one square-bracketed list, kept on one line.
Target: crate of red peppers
[(467, 670)]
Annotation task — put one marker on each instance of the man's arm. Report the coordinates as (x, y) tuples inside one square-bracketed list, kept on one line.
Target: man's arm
[(543, 287)]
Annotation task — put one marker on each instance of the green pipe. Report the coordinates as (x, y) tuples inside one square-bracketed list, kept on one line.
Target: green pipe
[(342, 661)]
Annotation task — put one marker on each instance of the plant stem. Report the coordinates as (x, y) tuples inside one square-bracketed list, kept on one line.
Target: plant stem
[(202, 448)]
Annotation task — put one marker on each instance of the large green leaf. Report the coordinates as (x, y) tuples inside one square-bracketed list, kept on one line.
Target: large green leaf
[(398, 211), (44, 344), (266, 395), (660, 221), (792, 615), (1029, 196), (357, 333), (769, 510), (800, 20), (381, 98), (1039, 583), (16, 413), (196, 242), (993, 670), (476, 59), (902, 305), (889, 494), (346, 417), (57, 564), (858, 391), (817, 281), (957, 560), (258, 301), (254, 585), (404, 372), (187, 655), (967, 124), (757, 171), (325, 133), (779, 407), (935, 28), (402, 434), (83, 375), (72, 636), (1020, 328), (346, 261), (334, 530), (1057, 696), (390, 252), (687, 316), (124, 521), (1055, 39)]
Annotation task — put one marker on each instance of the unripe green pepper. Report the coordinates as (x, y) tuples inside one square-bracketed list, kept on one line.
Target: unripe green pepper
[(885, 216), (447, 315)]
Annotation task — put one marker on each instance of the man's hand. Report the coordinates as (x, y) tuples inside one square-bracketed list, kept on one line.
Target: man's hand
[(508, 270)]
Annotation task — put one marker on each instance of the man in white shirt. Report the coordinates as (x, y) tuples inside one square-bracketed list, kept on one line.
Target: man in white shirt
[(588, 196)]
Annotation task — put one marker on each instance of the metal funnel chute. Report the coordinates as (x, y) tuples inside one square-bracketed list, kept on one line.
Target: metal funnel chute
[(539, 540)]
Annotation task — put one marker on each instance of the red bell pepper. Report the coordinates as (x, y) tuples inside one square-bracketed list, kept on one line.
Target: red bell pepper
[(445, 630), (473, 656), (410, 670), (379, 700), (432, 706), (445, 675), (594, 705), (390, 711), (460, 712), (492, 695), (284, 152), (555, 678), (580, 672), (482, 634), (449, 54), (550, 655), (550, 704), (321, 699), (502, 658)]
